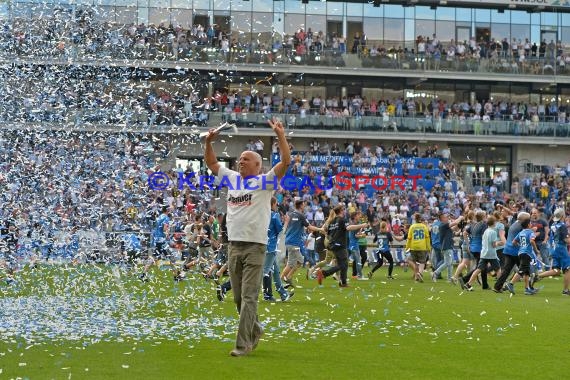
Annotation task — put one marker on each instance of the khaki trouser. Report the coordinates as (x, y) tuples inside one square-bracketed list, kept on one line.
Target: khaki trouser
[(245, 264)]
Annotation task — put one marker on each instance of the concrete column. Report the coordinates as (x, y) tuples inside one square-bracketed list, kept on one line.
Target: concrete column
[(344, 25)]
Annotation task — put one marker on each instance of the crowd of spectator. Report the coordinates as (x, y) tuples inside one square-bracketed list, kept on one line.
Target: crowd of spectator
[(56, 184), (516, 56), (122, 97), (86, 36)]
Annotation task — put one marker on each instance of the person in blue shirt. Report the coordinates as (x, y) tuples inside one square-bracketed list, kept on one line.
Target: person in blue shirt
[(445, 231), (489, 258), (295, 230), (436, 254), (559, 239), (160, 241), (475, 232), (270, 266), (511, 256), (131, 246), (353, 247), (528, 251), (384, 238)]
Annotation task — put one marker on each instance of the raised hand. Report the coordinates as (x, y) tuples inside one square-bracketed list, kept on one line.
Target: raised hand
[(277, 126), (212, 135)]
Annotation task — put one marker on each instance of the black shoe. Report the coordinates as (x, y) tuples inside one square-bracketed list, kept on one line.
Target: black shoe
[(220, 293), (288, 284)]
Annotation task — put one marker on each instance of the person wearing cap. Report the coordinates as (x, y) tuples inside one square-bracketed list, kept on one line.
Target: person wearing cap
[(248, 216), (558, 241)]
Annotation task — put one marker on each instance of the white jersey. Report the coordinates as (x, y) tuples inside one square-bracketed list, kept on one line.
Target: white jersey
[(249, 209)]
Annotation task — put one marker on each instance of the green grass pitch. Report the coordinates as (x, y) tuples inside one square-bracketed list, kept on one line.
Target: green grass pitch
[(101, 322)]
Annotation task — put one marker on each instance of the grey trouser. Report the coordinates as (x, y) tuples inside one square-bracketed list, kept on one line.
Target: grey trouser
[(245, 264)]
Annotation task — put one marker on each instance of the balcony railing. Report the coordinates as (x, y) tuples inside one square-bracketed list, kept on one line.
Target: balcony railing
[(286, 55), (548, 127), (108, 119)]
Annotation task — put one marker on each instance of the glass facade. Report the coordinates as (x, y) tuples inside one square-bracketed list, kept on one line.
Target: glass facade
[(262, 21)]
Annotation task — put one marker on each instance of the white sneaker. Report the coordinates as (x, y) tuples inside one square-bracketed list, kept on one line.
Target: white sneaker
[(363, 279)]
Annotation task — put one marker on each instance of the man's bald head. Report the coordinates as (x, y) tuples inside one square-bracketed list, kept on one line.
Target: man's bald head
[(249, 163)]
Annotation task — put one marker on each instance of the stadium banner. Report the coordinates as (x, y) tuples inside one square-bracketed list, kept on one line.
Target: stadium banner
[(345, 159)]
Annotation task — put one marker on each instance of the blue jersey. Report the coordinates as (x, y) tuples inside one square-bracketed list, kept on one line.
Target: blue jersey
[(558, 235), (132, 242), (511, 249), (476, 236), (435, 236), (353, 240), (158, 233), (296, 229), (275, 227), (74, 242), (524, 239), (383, 240)]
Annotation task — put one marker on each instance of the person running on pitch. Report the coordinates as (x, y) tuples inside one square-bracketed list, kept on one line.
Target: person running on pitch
[(511, 255), (295, 243), (475, 232), (418, 243), (559, 240), (445, 230), (270, 266), (384, 238), (528, 251), (337, 232), (488, 259), (162, 248)]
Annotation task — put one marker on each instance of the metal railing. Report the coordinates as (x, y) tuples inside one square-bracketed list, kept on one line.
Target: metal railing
[(200, 51), (418, 123)]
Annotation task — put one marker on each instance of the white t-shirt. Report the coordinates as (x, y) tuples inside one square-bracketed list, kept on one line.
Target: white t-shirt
[(311, 242), (249, 210), (487, 250)]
